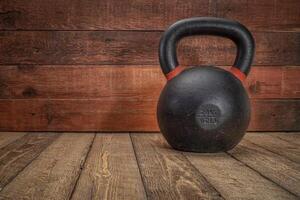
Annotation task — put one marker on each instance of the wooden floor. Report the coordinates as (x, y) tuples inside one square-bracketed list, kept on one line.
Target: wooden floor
[(142, 166)]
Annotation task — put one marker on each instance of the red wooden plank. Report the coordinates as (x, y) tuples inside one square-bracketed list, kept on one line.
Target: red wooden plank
[(131, 115), (126, 82), (143, 15), (291, 82), (125, 47)]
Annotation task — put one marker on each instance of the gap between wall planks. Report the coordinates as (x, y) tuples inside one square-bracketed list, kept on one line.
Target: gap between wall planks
[(143, 15), (126, 82), (138, 48), (63, 32)]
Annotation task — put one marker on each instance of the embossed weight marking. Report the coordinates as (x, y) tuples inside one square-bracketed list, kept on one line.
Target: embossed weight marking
[(208, 116)]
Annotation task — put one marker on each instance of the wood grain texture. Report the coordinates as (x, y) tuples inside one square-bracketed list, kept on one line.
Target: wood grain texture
[(275, 115), (78, 115), (279, 169), (143, 15), (109, 161), (128, 47), (234, 180), (275, 145), (291, 137), (111, 170), (8, 137), (17, 155), (125, 82), (120, 115), (166, 173), (262, 15), (292, 87), (54, 173)]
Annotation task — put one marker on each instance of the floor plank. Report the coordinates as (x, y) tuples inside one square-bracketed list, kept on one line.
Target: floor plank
[(275, 145), (256, 169), (8, 137), (166, 173), (111, 170), (54, 173), (234, 180), (277, 168), (17, 155), (292, 137)]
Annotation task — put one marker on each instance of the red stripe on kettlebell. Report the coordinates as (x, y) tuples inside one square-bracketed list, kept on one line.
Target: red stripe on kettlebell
[(237, 73), (177, 70)]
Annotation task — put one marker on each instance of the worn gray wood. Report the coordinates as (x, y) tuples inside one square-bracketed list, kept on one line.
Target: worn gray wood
[(292, 137), (275, 145), (80, 166), (111, 171), (8, 137), (54, 173), (167, 174), (278, 169), (15, 156), (234, 180)]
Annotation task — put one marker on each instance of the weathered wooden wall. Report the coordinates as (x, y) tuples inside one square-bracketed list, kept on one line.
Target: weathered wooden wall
[(78, 65)]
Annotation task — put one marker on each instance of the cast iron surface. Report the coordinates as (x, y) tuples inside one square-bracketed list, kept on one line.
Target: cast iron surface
[(233, 30), (204, 108)]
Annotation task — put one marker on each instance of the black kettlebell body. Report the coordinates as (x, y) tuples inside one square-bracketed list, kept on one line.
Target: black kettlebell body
[(204, 108)]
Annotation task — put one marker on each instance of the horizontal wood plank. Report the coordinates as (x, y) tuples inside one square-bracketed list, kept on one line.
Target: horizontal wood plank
[(8, 137), (291, 87), (17, 155), (125, 82), (280, 170), (234, 180), (275, 115), (167, 174), (114, 115), (125, 47), (54, 173), (143, 15), (77, 115), (111, 171), (275, 145), (262, 15)]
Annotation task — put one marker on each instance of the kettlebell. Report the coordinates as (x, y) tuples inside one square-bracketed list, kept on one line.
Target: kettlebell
[(204, 108)]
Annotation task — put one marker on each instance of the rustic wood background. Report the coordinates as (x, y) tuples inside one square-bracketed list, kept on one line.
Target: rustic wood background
[(76, 65)]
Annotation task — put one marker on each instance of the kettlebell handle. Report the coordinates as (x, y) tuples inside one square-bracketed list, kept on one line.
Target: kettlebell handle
[(233, 30)]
